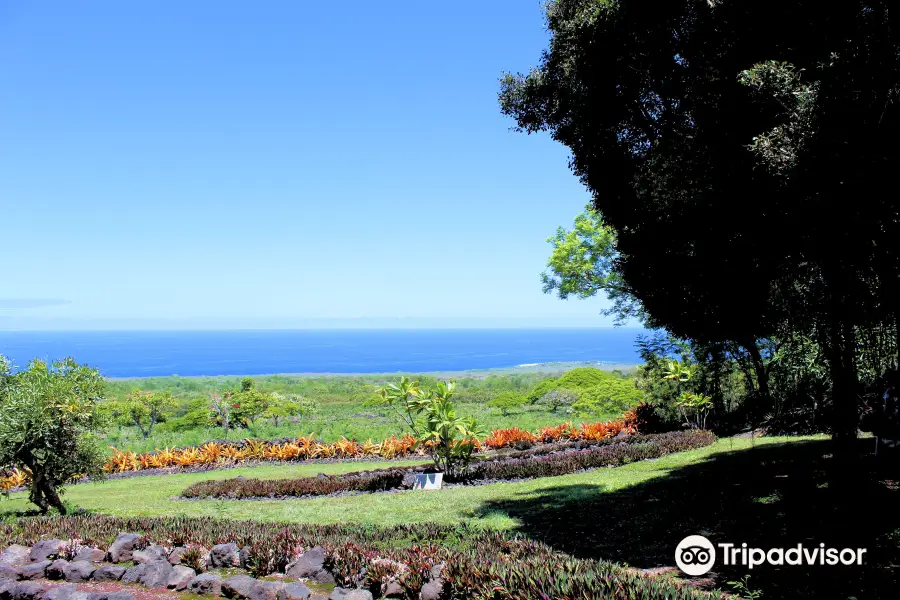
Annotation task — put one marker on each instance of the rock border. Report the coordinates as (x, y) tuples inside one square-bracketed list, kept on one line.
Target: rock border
[(51, 569)]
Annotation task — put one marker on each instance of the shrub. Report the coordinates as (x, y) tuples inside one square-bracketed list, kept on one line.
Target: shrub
[(614, 394), (502, 438), (430, 415), (607, 455), (239, 488), (540, 389), (556, 399), (507, 401), (584, 378)]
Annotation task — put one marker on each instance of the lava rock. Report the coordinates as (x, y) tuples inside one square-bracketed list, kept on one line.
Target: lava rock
[(345, 594), (154, 575), (57, 569), (108, 573), (149, 554), (8, 572), (266, 590), (225, 555), (206, 584), (244, 557), (33, 570), (94, 555), (46, 549), (433, 590), (106, 596), (238, 586), (181, 577), (124, 546), (6, 587), (79, 570), (27, 590), (311, 566), (60, 592), (393, 590), (16, 556), (295, 591), (175, 556)]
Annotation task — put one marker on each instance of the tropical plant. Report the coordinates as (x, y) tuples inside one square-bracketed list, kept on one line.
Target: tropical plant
[(450, 439), (405, 399), (694, 408), (145, 409), (49, 415)]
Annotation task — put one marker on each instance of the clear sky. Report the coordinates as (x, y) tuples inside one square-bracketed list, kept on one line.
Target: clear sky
[(230, 164)]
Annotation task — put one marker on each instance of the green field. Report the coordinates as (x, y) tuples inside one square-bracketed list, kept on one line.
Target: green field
[(345, 407)]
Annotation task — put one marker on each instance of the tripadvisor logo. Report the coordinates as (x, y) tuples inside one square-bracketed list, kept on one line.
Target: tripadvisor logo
[(696, 555)]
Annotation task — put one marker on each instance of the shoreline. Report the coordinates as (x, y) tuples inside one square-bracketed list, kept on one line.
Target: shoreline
[(545, 367)]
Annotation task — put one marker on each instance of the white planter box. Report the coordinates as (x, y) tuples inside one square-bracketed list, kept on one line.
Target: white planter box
[(428, 481)]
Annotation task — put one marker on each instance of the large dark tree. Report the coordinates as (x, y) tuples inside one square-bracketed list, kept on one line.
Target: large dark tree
[(743, 152)]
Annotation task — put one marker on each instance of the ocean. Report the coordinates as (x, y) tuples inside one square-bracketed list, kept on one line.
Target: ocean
[(194, 353)]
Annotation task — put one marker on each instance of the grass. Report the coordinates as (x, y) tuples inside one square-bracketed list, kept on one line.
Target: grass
[(768, 492), (152, 495)]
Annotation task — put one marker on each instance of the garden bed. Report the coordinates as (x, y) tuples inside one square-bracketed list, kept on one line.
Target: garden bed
[(532, 463), (452, 561)]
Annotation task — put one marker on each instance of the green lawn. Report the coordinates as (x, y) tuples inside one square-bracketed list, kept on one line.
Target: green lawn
[(152, 495)]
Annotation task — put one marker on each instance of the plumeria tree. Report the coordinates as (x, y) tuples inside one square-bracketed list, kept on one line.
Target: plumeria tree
[(49, 415)]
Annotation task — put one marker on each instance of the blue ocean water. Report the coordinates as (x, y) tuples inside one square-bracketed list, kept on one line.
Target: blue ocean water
[(186, 353)]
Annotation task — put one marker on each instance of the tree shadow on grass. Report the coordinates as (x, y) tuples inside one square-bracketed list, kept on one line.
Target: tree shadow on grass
[(772, 496)]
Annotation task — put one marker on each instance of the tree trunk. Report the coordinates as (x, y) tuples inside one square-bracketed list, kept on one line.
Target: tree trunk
[(43, 492), (897, 334), (36, 496), (53, 497), (762, 374)]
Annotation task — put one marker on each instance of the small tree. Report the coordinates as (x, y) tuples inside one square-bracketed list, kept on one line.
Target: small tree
[(145, 409), (220, 408), (249, 403), (450, 439), (507, 401), (48, 417), (430, 416)]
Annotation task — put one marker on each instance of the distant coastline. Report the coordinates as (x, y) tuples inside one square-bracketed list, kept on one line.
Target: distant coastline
[(546, 367)]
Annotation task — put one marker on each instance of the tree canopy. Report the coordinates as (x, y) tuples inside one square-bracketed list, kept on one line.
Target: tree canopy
[(739, 150), (48, 415)]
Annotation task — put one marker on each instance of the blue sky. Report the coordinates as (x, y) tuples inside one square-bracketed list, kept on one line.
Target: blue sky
[(238, 164)]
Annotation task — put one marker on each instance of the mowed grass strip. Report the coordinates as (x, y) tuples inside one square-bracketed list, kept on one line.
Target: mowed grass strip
[(153, 495)]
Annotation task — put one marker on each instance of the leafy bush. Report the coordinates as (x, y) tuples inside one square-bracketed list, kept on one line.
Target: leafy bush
[(647, 419), (614, 394), (607, 455), (507, 401), (556, 399), (538, 391), (239, 488), (584, 378)]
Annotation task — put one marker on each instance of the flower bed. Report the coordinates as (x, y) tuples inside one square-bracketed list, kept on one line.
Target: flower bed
[(608, 453), (457, 561), (218, 454)]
